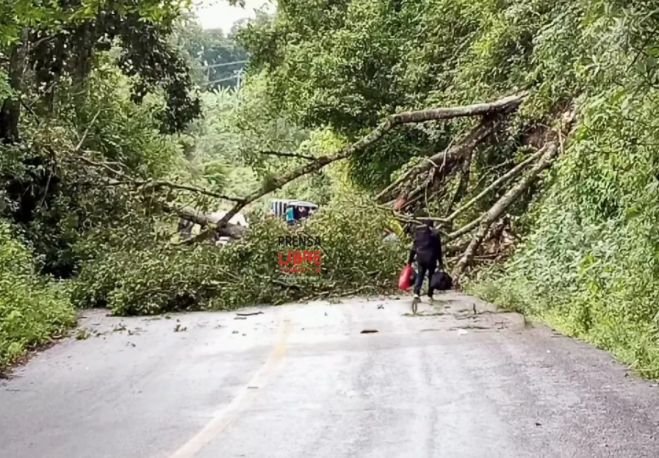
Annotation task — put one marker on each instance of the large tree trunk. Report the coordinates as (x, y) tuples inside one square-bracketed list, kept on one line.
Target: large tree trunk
[(11, 107), (190, 214)]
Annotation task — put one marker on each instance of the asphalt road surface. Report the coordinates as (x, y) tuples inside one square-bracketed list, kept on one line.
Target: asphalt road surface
[(460, 380)]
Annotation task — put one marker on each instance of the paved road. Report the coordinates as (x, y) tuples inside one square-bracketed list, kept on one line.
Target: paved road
[(303, 381)]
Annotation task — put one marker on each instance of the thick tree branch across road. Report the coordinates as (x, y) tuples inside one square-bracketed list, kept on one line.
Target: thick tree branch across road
[(503, 105), (483, 130), (287, 154)]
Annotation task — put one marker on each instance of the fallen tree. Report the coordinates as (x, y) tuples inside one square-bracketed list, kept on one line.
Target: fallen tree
[(460, 157), (439, 166), (205, 220), (488, 110)]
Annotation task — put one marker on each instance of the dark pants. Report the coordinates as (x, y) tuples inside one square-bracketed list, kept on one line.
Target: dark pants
[(424, 269)]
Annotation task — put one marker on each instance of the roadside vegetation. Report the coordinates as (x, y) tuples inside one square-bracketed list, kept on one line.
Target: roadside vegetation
[(541, 168), (32, 309)]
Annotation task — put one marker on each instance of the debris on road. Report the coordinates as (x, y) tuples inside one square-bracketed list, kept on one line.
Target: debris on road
[(83, 334), (369, 331), (250, 314)]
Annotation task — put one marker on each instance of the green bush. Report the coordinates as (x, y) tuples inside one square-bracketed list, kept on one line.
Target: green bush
[(157, 278), (32, 311)]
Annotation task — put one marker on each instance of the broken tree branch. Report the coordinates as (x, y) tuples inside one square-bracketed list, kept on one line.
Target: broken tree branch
[(457, 153), (549, 154), (502, 179), (502, 105), (286, 154), (449, 155), (154, 184), (187, 213)]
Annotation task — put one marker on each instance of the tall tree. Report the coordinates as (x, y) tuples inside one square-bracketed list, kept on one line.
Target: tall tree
[(49, 47)]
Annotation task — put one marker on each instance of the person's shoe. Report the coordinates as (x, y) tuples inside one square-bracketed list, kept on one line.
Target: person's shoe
[(417, 297), (431, 299)]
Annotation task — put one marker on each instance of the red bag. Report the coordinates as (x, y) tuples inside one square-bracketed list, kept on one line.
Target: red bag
[(406, 277)]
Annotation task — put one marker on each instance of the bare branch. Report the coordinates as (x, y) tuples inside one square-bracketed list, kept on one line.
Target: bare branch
[(106, 166), (84, 135), (456, 154), (549, 154), (465, 229), (510, 174), (168, 184), (451, 154), (154, 184), (187, 213), (502, 105)]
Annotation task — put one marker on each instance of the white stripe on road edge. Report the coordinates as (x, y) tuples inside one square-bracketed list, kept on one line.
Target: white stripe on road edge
[(229, 413)]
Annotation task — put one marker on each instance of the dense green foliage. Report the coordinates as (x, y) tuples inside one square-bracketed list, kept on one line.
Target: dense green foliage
[(31, 309), (80, 83), (590, 265)]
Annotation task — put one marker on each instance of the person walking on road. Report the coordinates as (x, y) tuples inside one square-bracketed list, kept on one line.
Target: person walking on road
[(427, 248)]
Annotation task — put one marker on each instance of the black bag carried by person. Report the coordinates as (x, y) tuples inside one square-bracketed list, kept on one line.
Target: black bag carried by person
[(441, 281)]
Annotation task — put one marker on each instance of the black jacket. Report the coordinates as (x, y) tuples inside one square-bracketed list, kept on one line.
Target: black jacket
[(427, 247)]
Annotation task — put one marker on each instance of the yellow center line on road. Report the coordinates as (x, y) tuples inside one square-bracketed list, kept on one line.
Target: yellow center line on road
[(226, 415)]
